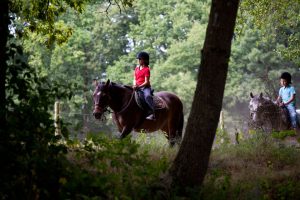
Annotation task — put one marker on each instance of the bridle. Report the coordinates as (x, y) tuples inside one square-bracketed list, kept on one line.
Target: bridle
[(105, 109), (265, 105), (101, 110)]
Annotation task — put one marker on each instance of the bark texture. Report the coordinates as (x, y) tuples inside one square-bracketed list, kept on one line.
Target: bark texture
[(4, 21), (190, 165)]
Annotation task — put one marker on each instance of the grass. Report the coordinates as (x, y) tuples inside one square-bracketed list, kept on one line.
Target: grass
[(118, 169), (283, 134), (256, 168)]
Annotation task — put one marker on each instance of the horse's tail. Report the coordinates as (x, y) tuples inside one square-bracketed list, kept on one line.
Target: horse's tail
[(180, 126)]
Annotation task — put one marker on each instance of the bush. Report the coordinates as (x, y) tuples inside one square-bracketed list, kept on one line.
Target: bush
[(110, 168), (32, 161)]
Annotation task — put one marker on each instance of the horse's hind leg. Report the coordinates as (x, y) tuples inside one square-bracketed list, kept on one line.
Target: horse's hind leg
[(172, 133), (175, 127), (169, 133)]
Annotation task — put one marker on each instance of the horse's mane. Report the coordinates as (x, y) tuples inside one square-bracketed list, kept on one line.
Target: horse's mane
[(116, 85), (128, 86), (263, 98), (121, 85), (267, 103), (270, 101)]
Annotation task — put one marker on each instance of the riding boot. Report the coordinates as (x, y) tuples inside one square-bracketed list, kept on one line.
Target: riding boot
[(149, 101)]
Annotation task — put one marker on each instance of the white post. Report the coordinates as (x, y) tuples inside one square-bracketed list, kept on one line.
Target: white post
[(221, 121), (57, 118)]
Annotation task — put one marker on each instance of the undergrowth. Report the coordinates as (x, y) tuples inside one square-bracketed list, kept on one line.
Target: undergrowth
[(283, 134), (257, 168), (108, 168), (101, 167)]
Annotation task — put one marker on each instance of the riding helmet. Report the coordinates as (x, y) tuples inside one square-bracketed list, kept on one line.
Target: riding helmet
[(143, 55), (286, 76)]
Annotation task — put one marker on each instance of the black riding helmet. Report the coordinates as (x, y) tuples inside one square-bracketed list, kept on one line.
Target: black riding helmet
[(286, 76), (143, 55)]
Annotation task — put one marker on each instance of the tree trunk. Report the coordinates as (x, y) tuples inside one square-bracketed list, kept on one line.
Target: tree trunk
[(4, 21), (190, 165)]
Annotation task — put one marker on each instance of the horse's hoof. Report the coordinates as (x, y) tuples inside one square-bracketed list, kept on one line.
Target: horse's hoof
[(118, 136)]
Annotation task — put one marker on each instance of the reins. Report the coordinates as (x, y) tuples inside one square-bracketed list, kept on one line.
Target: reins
[(265, 108), (125, 108)]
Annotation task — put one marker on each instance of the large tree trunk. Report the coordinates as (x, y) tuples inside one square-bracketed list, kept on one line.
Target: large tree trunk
[(190, 165), (4, 21)]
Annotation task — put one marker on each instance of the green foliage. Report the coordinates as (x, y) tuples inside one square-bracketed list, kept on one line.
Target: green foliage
[(36, 164), (107, 45), (282, 24), (28, 149), (253, 68), (265, 45), (283, 134), (104, 43), (123, 70), (156, 144), (218, 182), (107, 168), (177, 73), (172, 32), (83, 57), (40, 17), (221, 138)]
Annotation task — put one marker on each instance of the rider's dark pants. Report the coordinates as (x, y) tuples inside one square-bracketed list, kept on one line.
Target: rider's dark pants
[(148, 97)]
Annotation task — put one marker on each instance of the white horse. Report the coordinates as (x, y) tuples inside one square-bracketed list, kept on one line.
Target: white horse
[(267, 115)]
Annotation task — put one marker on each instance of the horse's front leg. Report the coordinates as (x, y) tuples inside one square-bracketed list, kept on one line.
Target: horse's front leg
[(126, 130), (116, 121)]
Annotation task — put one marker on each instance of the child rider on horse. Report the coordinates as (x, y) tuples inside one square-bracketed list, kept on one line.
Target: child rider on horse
[(142, 81), (287, 97)]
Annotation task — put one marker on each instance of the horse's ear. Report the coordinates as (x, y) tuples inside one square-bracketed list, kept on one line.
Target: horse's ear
[(251, 95), (107, 83), (261, 95)]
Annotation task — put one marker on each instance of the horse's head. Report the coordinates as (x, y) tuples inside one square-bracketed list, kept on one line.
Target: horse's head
[(255, 105), (101, 98), (259, 105), (266, 114)]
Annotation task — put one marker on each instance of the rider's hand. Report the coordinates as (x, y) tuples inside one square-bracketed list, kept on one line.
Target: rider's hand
[(281, 104), (135, 87)]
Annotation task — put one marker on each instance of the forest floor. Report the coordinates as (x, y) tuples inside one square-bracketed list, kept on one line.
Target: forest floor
[(292, 141), (258, 168)]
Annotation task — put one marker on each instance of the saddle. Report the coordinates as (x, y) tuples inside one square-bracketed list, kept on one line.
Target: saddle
[(141, 102)]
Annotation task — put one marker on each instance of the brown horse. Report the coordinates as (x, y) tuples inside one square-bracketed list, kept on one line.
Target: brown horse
[(129, 116)]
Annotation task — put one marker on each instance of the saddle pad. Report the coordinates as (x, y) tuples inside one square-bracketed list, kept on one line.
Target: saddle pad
[(158, 102)]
